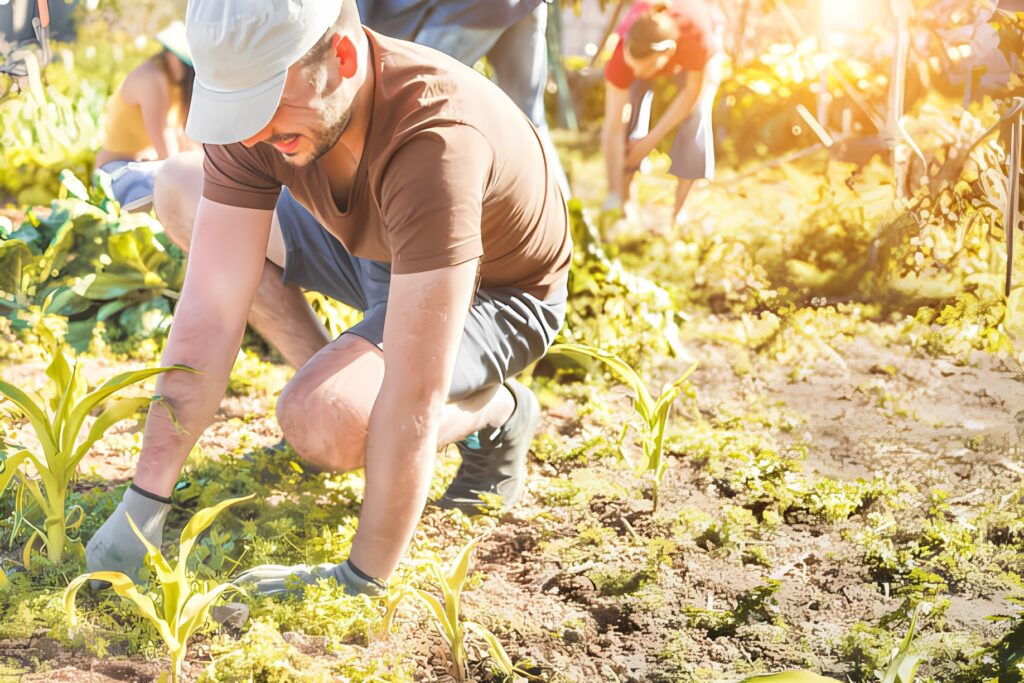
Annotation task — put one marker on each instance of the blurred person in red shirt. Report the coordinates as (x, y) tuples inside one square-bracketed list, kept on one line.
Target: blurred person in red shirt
[(660, 43)]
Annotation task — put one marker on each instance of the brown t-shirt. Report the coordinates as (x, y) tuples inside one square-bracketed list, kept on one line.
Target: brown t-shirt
[(451, 171)]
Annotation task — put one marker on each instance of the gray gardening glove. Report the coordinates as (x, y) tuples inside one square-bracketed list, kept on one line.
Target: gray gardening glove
[(289, 581), (115, 547)]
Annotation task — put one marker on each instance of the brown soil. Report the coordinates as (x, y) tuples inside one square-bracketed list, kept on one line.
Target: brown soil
[(958, 431)]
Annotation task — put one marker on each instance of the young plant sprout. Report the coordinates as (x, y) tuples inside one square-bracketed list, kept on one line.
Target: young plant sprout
[(447, 614), (653, 412), (901, 667), (186, 600), (58, 422)]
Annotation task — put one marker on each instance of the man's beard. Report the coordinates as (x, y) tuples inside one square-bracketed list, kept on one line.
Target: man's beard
[(335, 125)]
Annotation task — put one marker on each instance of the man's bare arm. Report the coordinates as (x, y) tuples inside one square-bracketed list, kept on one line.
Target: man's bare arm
[(425, 321), (226, 259)]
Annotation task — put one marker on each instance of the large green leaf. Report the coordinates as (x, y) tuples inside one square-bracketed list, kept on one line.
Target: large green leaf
[(198, 524), (111, 308), (619, 367), (137, 250), (73, 186), (197, 607), (55, 256), (15, 256), (35, 413), (124, 587), (28, 234), (10, 466), (63, 300), (113, 285), (448, 630), (117, 411), (147, 319), (790, 677), (102, 393)]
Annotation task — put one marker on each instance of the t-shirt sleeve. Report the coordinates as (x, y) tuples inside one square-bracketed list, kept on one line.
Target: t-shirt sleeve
[(696, 37), (694, 49), (616, 71), (431, 197), (694, 57), (237, 175)]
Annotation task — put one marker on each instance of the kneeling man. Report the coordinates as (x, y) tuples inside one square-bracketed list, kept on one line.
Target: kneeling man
[(392, 178)]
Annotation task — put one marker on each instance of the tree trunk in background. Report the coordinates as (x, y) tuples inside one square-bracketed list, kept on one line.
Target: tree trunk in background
[(1012, 210)]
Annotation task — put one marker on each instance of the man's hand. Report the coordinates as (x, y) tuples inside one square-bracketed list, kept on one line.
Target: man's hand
[(291, 581), (115, 547)]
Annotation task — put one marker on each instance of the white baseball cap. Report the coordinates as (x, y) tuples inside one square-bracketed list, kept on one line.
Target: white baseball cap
[(241, 50)]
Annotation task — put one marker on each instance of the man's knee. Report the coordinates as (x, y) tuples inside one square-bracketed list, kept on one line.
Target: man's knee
[(326, 428), (176, 191)]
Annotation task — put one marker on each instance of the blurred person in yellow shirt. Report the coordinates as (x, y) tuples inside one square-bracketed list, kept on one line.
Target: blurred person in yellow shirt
[(145, 119)]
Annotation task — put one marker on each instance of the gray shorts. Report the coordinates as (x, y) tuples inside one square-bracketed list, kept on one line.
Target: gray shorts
[(693, 148), (506, 330), (132, 182)]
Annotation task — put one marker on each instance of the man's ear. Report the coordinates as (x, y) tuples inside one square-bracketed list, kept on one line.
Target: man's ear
[(345, 51)]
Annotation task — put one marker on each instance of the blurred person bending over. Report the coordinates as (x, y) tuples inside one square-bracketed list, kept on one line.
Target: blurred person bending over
[(412, 187), (660, 43), (510, 33), (145, 119)]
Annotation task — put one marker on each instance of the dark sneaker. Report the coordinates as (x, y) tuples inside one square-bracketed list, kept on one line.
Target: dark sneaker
[(494, 462)]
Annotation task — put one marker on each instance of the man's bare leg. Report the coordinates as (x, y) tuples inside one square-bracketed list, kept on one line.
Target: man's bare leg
[(279, 313), (324, 411)]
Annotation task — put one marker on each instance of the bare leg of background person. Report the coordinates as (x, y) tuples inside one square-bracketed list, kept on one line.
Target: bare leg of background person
[(682, 192)]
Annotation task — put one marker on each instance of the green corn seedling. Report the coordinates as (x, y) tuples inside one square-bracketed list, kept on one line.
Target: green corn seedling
[(653, 413), (58, 422), (901, 667), (447, 615), (186, 600)]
